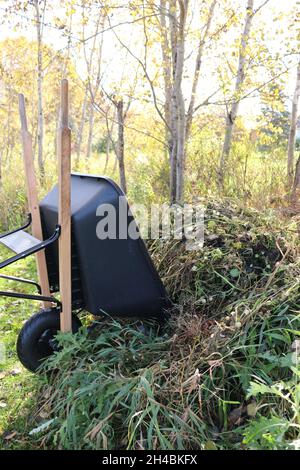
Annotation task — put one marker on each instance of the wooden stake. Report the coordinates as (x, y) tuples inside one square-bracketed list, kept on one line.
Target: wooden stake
[(64, 213), (33, 203)]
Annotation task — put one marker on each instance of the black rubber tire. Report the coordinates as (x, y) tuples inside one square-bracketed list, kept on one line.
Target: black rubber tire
[(32, 348)]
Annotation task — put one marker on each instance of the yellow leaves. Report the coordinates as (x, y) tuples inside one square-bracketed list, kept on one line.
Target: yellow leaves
[(59, 23), (70, 12)]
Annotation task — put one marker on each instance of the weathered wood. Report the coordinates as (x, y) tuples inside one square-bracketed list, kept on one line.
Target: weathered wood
[(33, 202), (64, 216)]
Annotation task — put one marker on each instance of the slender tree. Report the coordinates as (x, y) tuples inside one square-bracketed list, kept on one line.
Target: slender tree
[(292, 133), (232, 110), (178, 22), (92, 82), (173, 30), (199, 58), (120, 118), (40, 124), (94, 86)]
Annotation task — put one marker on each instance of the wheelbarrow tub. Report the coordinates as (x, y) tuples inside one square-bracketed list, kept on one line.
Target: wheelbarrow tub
[(112, 276)]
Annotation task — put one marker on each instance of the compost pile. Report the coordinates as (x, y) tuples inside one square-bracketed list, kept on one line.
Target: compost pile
[(212, 377), (248, 260)]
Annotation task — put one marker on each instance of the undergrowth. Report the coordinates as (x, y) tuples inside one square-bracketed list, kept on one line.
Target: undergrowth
[(222, 373)]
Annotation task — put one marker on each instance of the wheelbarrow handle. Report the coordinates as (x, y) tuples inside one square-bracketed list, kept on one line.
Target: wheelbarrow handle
[(26, 225), (21, 279), (38, 247), (38, 298)]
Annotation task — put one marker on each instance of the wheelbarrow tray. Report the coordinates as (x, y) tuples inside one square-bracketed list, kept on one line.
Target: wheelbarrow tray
[(113, 276)]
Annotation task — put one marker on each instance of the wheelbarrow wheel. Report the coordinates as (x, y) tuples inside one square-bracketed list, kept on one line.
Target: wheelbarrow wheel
[(36, 339)]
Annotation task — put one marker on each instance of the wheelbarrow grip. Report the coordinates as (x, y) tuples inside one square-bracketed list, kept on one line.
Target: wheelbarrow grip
[(30, 251)]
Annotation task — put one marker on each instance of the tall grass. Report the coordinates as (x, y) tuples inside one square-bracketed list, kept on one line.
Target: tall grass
[(222, 373)]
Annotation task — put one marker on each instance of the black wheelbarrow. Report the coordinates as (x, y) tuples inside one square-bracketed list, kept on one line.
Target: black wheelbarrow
[(102, 275)]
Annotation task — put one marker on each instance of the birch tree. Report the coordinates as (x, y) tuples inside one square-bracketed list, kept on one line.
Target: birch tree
[(40, 124), (88, 57), (198, 63), (92, 82), (120, 118), (232, 110), (173, 29), (178, 22), (172, 26), (292, 133), (94, 89)]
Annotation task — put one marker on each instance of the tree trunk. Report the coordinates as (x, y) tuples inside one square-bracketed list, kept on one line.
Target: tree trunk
[(120, 118), (296, 183), (88, 90), (40, 130), (190, 112), (292, 134), (94, 93), (177, 109), (1, 153), (110, 141), (64, 70), (106, 155), (180, 131), (8, 131), (172, 142), (81, 127), (167, 68), (90, 135), (232, 113)]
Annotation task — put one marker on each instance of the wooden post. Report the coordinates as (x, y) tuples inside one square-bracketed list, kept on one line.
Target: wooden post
[(64, 213), (33, 203)]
